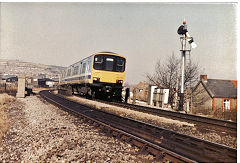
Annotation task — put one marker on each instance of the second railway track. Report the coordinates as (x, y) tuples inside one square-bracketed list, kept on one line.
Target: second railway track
[(165, 144), (210, 123), (219, 126)]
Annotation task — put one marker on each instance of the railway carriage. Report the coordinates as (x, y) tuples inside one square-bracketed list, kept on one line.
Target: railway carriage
[(101, 74)]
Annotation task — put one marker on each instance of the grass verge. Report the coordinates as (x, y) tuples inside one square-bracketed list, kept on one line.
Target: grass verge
[(5, 100)]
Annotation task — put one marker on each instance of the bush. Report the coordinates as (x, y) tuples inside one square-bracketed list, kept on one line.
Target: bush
[(202, 111), (227, 115), (6, 99)]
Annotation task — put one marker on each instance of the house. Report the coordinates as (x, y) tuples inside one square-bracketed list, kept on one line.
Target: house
[(142, 91), (12, 79), (9, 78), (35, 82), (52, 82), (212, 94)]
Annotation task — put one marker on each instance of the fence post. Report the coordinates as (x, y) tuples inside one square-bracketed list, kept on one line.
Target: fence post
[(134, 96)]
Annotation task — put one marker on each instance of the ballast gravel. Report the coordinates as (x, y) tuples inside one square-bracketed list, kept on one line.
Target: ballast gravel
[(175, 125), (41, 132)]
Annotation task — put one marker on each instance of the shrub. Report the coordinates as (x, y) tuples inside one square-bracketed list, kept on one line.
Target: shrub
[(202, 111), (227, 115)]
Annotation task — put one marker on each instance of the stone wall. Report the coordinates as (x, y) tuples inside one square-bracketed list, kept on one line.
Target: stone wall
[(218, 103), (201, 99)]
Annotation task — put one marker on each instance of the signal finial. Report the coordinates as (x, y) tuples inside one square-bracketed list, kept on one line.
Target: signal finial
[(184, 21)]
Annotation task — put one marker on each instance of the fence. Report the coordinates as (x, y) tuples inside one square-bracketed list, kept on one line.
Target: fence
[(9, 88)]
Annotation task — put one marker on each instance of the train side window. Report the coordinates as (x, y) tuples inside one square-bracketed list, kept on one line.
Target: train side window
[(69, 72), (75, 70), (66, 73), (83, 68), (120, 65), (98, 62), (89, 65), (87, 70), (80, 68)]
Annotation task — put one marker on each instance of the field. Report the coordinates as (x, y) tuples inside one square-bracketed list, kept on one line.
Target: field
[(5, 100)]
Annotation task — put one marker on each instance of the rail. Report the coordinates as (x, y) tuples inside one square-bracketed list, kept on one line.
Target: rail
[(165, 144), (216, 124)]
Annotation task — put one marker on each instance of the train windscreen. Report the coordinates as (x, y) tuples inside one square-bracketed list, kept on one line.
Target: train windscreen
[(109, 63)]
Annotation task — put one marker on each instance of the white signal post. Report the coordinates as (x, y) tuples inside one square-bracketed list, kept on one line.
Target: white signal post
[(182, 30)]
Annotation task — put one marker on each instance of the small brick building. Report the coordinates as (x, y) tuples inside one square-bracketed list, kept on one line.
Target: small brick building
[(214, 94), (142, 91)]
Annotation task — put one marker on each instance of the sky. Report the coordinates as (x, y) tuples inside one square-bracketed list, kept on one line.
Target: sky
[(64, 33)]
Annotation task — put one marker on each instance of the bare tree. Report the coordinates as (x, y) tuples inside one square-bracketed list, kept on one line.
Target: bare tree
[(167, 74), (191, 74)]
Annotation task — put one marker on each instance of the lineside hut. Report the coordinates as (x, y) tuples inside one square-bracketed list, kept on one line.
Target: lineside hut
[(214, 95)]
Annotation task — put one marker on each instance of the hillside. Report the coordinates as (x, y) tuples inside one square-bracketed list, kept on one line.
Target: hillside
[(16, 67)]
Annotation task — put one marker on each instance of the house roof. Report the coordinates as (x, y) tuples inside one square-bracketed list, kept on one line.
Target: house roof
[(142, 85), (4, 77), (220, 88)]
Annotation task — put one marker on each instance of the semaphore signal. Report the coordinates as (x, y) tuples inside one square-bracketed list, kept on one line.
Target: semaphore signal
[(182, 30)]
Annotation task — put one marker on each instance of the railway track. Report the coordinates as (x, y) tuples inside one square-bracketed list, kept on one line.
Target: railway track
[(165, 144), (220, 126)]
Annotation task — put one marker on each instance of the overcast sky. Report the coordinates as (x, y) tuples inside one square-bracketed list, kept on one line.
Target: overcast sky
[(64, 33)]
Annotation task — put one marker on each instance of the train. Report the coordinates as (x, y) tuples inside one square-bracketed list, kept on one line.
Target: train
[(100, 75)]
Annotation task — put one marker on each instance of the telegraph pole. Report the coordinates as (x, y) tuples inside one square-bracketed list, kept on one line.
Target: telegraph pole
[(182, 30)]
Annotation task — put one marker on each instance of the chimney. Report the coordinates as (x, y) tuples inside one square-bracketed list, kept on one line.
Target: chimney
[(203, 77), (234, 83)]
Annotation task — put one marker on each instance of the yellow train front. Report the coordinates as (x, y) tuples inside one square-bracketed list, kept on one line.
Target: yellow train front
[(99, 75)]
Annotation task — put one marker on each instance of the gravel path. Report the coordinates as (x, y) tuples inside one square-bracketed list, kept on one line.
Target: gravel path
[(41, 132)]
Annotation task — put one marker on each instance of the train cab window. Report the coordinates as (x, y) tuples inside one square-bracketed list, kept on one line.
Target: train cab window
[(120, 64), (109, 64), (98, 62)]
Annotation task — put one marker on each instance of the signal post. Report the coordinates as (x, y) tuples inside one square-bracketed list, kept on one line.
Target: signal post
[(182, 30)]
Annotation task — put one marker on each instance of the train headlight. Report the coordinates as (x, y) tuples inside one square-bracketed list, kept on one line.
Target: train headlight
[(96, 79), (119, 81)]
